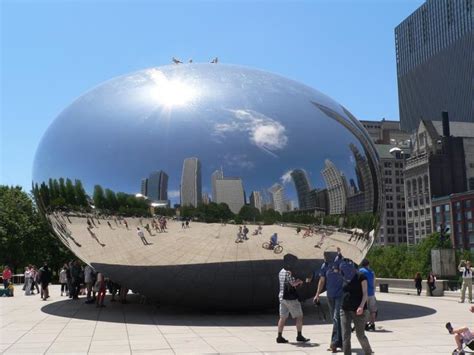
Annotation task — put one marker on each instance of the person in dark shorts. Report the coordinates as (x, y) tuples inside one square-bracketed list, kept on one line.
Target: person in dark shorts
[(45, 279)]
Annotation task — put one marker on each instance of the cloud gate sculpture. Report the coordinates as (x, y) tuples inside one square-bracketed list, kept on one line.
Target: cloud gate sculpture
[(172, 180)]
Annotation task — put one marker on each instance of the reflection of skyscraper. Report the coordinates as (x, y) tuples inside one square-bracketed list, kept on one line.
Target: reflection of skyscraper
[(303, 187), (205, 198), (318, 199), (230, 190), (256, 200), (364, 179), (218, 174), (277, 193), (157, 186), (336, 188), (191, 194), (144, 186)]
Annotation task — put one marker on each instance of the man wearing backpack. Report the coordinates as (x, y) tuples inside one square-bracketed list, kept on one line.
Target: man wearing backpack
[(288, 297)]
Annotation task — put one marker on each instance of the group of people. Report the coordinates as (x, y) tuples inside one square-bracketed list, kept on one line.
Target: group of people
[(350, 296)]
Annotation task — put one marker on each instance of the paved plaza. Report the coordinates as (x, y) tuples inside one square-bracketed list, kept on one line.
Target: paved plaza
[(407, 325)]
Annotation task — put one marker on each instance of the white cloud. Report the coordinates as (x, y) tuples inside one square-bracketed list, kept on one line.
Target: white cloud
[(286, 177), (264, 132), (173, 193)]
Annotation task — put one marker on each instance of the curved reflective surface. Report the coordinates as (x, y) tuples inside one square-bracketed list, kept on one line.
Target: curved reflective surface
[(150, 176)]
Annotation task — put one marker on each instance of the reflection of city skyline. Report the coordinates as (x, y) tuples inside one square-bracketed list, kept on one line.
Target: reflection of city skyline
[(338, 196)]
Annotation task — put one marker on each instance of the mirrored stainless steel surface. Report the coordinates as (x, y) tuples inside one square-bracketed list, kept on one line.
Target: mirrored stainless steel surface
[(149, 176)]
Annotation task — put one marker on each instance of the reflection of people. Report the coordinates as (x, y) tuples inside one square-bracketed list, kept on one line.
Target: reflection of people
[(289, 303), (466, 272), (461, 335), (418, 280), (273, 240), (142, 236), (354, 300)]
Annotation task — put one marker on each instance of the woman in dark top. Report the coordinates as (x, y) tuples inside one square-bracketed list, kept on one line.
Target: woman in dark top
[(354, 305), (431, 282), (418, 280)]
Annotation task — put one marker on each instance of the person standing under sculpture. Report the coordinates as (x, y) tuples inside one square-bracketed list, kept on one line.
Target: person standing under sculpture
[(63, 280), (466, 273), (76, 271), (288, 297), (45, 279), (330, 277), (354, 301)]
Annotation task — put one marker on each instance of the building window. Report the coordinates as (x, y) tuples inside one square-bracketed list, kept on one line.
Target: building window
[(467, 203), (468, 214)]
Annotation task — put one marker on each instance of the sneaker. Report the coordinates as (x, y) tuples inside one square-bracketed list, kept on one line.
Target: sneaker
[(302, 339), (281, 340), (449, 327)]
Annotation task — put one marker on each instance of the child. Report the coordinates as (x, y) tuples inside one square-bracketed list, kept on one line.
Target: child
[(461, 335)]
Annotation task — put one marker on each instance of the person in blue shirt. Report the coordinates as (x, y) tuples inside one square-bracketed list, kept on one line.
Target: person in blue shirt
[(371, 300), (330, 277), (273, 240)]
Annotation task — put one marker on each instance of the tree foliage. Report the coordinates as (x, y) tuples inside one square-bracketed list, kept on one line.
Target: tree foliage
[(25, 237)]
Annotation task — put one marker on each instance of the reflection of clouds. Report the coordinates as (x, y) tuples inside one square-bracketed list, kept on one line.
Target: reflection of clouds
[(265, 132), (173, 193), (238, 160), (286, 177)]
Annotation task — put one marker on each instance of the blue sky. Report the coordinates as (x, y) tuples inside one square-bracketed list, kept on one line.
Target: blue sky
[(52, 52)]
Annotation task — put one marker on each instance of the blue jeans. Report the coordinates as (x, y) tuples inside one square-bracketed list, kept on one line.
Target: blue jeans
[(335, 313)]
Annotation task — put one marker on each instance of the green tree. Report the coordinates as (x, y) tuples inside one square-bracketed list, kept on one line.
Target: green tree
[(249, 213), (70, 194), (111, 202), (81, 197), (25, 236), (99, 197)]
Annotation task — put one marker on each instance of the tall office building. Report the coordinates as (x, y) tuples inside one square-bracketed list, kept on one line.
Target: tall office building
[(157, 186), (191, 188), (217, 174), (336, 187), (230, 190), (435, 64), (364, 180), (256, 200), (303, 188), (278, 199), (144, 187), (205, 198)]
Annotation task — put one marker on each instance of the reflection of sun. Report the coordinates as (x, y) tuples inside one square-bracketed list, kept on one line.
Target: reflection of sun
[(170, 92)]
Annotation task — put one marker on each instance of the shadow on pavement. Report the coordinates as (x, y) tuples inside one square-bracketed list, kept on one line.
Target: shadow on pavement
[(135, 312)]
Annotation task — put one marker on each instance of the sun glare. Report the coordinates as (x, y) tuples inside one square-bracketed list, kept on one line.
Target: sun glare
[(170, 92)]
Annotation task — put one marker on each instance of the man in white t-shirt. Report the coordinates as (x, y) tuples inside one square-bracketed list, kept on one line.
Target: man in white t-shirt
[(466, 273)]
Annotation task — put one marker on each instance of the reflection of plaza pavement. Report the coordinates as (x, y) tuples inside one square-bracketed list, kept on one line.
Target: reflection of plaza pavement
[(199, 244), (409, 325)]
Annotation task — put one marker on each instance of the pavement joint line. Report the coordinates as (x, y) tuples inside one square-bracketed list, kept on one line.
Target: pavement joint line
[(159, 330), (126, 329), (93, 333)]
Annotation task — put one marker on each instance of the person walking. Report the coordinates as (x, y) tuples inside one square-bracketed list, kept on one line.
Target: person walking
[(44, 279), (371, 300), (466, 272), (63, 280), (354, 302), (141, 235), (332, 279), (418, 282), (6, 276), (289, 304), (431, 280), (28, 281), (100, 288)]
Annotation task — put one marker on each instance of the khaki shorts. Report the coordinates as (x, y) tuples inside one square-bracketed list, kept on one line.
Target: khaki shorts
[(292, 307), (372, 304)]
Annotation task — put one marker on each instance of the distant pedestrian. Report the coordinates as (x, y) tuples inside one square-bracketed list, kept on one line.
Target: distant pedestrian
[(76, 278), (245, 231), (431, 280), (89, 278), (100, 288), (28, 281), (45, 279), (418, 282), (466, 273), (239, 236), (63, 280), (6, 276)]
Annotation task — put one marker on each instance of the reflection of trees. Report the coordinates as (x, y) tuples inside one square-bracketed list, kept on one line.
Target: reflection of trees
[(210, 213), (60, 194), (119, 203)]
